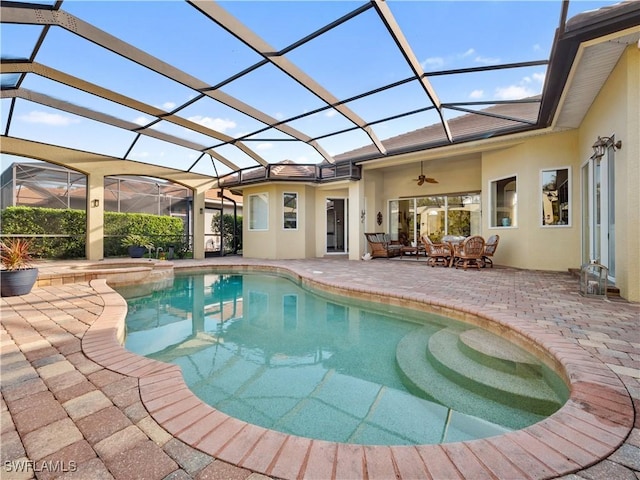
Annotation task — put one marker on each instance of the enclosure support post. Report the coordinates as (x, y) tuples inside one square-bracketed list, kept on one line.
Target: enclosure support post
[(94, 249)]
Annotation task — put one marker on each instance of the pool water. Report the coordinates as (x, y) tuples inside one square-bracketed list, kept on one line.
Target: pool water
[(265, 350)]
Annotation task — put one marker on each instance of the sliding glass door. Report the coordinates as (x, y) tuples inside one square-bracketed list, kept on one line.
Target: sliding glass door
[(435, 216)]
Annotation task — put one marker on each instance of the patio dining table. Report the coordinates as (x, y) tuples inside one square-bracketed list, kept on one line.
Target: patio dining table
[(453, 242)]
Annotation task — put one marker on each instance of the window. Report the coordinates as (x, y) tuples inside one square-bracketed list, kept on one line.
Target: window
[(259, 211), (555, 195), (504, 200), (290, 211)]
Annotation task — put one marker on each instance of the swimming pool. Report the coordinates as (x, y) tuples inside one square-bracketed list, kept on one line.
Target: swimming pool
[(262, 349)]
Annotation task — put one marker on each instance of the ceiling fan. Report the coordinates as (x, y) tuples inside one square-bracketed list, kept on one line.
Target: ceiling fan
[(422, 178)]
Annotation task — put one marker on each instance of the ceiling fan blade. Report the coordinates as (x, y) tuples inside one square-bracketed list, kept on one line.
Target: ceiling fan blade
[(431, 180), (421, 181)]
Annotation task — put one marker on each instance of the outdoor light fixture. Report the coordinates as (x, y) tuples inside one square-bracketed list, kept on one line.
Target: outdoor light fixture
[(601, 144), (95, 203)]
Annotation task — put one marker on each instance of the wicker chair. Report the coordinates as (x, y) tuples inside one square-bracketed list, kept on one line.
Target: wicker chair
[(469, 252), (381, 246), (436, 252), (489, 249)]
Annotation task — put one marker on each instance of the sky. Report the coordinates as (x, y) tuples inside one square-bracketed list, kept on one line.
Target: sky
[(354, 58)]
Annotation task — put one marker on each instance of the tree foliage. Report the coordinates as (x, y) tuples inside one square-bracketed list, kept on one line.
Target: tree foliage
[(228, 237)]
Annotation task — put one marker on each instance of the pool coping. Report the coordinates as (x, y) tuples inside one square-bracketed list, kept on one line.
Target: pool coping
[(592, 424)]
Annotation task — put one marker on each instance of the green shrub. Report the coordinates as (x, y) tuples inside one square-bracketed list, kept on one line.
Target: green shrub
[(70, 225)]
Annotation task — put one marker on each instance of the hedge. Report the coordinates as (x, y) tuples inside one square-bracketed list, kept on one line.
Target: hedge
[(163, 231)]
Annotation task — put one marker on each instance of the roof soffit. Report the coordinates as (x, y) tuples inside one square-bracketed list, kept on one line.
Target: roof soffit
[(595, 26), (595, 60)]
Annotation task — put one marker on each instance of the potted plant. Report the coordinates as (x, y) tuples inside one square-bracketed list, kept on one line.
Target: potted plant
[(137, 244), (18, 275)]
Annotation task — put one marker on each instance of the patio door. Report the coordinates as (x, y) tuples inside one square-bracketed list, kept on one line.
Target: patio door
[(337, 225), (435, 216), (598, 211)]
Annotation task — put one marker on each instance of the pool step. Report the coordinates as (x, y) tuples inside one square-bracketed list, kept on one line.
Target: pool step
[(496, 352), (500, 378), (423, 379)]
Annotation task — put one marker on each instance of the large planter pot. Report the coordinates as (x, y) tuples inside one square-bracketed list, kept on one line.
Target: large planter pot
[(137, 252), (17, 282)]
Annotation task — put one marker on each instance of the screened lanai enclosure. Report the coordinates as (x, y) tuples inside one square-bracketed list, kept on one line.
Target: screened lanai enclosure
[(286, 80), (50, 186)]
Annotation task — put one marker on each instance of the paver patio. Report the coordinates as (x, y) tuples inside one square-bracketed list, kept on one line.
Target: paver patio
[(64, 415)]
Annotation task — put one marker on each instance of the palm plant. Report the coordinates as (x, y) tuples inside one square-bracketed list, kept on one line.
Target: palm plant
[(15, 254), (17, 275)]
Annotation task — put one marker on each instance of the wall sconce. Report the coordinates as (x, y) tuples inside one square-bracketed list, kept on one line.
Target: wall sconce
[(201, 210), (602, 143), (363, 214), (379, 218), (95, 203)]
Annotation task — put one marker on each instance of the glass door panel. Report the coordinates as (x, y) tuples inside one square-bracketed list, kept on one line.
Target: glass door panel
[(586, 214), (598, 211), (431, 217), (402, 220), (611, 217), (337, 220), (463, 215)]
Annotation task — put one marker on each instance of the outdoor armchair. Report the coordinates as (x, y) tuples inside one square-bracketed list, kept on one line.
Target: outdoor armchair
[(469, 252), (381, 245), (436, 252), (489, 249)]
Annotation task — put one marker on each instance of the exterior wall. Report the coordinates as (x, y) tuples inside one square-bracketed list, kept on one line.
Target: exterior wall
[(308, 220), (454, 175), (616, 111), (276, 242), (374, 201), (259, 244), (293, 243), (529, 244)]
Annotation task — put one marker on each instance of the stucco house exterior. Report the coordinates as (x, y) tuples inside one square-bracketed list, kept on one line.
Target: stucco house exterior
[(592, 96)]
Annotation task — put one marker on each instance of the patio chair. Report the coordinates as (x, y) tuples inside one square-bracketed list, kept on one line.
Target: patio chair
[(469, 252), (381, 246), (489, 249), (436, 252)]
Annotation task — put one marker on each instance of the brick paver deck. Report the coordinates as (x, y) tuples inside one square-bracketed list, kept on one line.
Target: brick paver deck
[(75, 404)]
